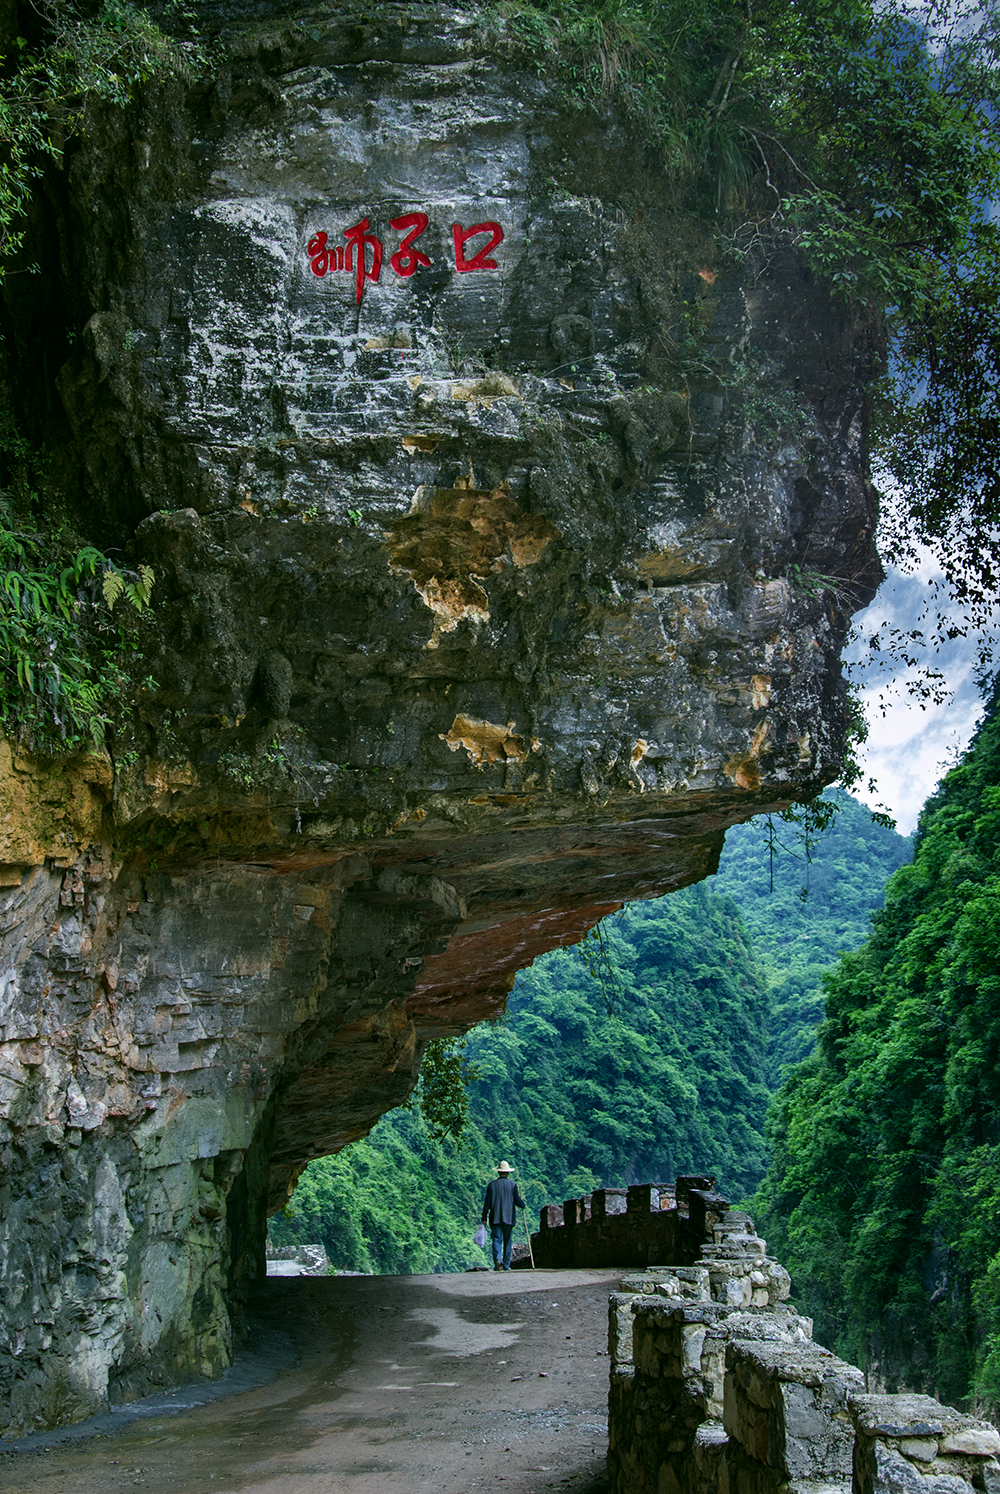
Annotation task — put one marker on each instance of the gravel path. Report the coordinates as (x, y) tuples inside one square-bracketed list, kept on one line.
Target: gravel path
[(406, 1383)]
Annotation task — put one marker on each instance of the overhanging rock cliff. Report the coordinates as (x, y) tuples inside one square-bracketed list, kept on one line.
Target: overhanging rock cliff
[(479, 611)]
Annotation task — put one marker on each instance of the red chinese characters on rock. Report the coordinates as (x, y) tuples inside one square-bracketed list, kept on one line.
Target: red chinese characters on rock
[(478, 261), (326, 258), (406, 258)]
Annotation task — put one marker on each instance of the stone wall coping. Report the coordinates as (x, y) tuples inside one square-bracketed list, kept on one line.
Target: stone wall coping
[(734, 1248), (714, 1311), (818, 1486), (747, 1324), (667, 1310), (763, 1325), (800, 1364), (652, 1274), (906, 1415)]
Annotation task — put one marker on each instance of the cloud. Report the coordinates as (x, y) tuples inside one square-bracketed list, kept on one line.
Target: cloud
[(911, 742)]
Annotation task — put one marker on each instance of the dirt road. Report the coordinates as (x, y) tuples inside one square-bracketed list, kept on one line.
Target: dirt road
[(441, 1383)]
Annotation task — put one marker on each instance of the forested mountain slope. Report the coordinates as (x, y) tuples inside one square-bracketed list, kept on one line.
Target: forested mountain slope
[(884, 1193), (766, 869)]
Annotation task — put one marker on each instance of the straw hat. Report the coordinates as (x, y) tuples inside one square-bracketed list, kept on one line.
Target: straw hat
[(503, 1167)]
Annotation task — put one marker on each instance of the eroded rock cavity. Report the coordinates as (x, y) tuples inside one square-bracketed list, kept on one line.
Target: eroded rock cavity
[(478, 613)]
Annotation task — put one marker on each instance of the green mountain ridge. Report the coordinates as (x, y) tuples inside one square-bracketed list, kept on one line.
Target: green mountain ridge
[(798, 938)]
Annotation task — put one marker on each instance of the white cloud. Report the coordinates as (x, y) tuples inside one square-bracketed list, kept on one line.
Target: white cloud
[(911, 742)]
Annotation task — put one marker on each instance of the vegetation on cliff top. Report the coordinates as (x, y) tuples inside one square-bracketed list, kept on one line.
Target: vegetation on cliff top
[(884, 1193), (867, 136)]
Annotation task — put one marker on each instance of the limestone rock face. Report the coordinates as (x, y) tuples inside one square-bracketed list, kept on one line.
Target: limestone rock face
[(479, 610)]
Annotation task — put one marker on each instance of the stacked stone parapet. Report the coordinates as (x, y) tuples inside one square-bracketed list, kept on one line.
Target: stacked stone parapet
[(911, 1444), (786, 1416), (718, 1388), (648, 1224)]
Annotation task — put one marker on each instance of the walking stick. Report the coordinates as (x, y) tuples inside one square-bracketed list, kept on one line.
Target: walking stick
[(524, 1216)]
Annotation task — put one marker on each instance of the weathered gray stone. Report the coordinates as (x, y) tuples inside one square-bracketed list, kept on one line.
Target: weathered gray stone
[(918, 1449), (786, 1405), (981, 1440), (904, 1415), (620, 1328), (937, 1441), (890, 1473)]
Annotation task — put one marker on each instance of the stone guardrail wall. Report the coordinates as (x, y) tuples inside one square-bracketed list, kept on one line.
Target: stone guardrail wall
[(718, 1388), (311, 1259), (647, 1225)]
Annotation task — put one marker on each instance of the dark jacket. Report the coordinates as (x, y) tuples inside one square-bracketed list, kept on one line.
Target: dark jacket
[(501, 1199)]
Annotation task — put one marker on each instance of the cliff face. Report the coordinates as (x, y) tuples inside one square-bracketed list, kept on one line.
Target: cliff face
[(477, 615)]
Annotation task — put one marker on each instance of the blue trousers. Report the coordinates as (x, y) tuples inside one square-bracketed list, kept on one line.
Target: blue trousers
[(501, 1244)]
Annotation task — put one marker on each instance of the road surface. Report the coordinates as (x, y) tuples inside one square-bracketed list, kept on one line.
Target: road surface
[(399, 1384)]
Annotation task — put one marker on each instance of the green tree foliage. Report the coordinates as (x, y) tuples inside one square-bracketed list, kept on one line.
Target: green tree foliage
[(673, 1080), (443, 1090), (764, 870), (60, 647), (69, 59), (67, 618), (400, 1201), (884, 1194)]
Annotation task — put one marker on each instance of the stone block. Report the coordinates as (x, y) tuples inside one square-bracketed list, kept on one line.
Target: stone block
[(936, 1442), (774, 1327), (730, 1283), (899, 1415), (882, 1469), (981, 1440), (688, 1181), (919, 1449), (691, 1285), (779, 1283), (786, 1404), (620, 1328)]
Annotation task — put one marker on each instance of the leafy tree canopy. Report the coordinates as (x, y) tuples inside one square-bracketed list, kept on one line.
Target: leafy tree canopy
[(765, 868), (884, 1190), (866, 134)]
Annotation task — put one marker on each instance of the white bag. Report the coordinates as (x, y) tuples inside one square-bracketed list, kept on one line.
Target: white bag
[(481, 1236)]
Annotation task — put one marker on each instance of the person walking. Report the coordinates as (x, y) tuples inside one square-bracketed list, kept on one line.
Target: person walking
[(499, 1204)]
